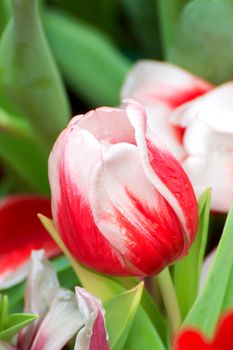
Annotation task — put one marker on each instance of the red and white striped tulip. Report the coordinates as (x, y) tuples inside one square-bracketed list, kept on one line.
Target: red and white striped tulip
[(193, 119), (121, 202)]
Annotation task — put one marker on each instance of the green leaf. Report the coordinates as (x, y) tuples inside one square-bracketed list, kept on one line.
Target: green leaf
[(15, 323), (4, 306), (143, 334), (169, 11), (202, 39), (90, 63), (187, 271), (28, 74), (26, 159), (144, 23), (207, 308), (120, 312), (5, 11)]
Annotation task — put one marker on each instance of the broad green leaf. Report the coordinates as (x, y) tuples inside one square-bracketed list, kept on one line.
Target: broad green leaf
[(19, 148), (210, 302), (202, 39), (5, 12), (157, 319), (90, 63), (26, 159), (28, 74), (120, 312), (169, 11), (144, 22), (187, 271), (15, 323), (143, 334)]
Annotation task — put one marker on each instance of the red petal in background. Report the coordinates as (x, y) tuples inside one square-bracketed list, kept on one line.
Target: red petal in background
[(192, 339), (20, 233)]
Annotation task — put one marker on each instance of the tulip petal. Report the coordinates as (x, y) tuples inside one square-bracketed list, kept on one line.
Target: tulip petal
[(202, 140), (131, 213), (214, 108), (72, 160), (93, 336), (20, 233), (164, 172), (60, 324), (215, 171), (191, 339), (108, 125), (163, 83), (223, 337), (161, 87), (42, 285)]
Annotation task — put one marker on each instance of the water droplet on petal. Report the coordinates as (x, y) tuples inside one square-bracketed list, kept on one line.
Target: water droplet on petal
[(178, 195), (114, 220), (89, 333), (123, 231)]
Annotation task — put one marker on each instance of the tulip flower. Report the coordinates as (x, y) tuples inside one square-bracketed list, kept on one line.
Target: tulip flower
[(121, 202), (20, 233), (192, 339), (194, 121), (61, 313)]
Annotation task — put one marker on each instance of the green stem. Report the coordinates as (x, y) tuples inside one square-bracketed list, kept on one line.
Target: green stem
[(169, 299)]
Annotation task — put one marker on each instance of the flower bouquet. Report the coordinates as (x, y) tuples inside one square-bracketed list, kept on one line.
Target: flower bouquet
[(116, 175)]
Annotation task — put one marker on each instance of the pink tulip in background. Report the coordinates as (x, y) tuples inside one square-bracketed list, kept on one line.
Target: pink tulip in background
[(193, 119), (121, 202)]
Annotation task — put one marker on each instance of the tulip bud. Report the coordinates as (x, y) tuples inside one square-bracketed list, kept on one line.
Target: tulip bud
[(121, 202), (28, 74)]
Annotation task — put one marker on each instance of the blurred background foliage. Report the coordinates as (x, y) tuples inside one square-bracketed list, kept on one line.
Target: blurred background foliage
[(59, 58)]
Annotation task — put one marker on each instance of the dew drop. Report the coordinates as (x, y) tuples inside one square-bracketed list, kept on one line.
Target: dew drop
[(89, 333), (123, 231), (114, 220)]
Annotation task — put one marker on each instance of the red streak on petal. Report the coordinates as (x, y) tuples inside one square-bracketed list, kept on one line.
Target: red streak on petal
[(79, 232), (153, 236), (21, 230), (173, 176), (175, 97), (99, 336)]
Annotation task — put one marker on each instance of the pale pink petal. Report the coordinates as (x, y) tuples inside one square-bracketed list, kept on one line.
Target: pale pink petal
[(42, 285), (131, 213), (108, 125), (61, 323), (202, 140), (164, 172), (163, 83), (215, 171), (214, 108), (20, 233), (161, 87), (93, 336), (72, 161)]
